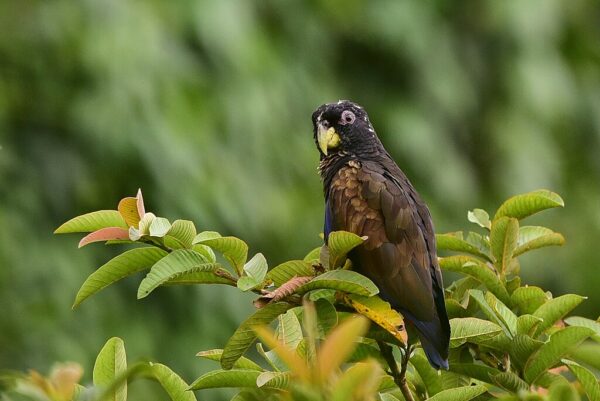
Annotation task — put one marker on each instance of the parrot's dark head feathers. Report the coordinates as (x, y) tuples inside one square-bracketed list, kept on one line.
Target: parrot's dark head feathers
[(343, 126)]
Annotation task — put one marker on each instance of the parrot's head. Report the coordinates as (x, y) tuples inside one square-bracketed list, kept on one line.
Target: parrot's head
[(343, 126)]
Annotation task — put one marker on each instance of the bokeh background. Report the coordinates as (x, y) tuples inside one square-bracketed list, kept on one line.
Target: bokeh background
[(206, 106)]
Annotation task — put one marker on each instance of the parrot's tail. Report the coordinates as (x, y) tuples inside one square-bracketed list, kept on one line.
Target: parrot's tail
[(435, 337)]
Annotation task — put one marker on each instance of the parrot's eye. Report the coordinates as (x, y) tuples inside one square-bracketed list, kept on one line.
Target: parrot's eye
[(348, 117)]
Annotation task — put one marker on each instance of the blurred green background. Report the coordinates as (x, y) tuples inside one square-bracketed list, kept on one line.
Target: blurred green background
[(206, 106)]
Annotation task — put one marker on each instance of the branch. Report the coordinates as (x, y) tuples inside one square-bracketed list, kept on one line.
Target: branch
[(398, 375)]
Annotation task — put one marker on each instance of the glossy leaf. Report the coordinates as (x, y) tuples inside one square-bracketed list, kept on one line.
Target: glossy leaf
[(534, 237), (110, 364), (171, 382), (233, 249), (183, 231), (555, 309), (239, 378), (559, 345), (176, 263), (105, 234), (92, 222), (281, 380), (339, 244), (503, 241), (241, 363), (313, 255), (288, 270), (521, 206), (465, 393), (244, 336), (341, 280), (289, 331), (379, 312), (123, 265), (471, 329), (479, 271), (584, 322), (479, 217)]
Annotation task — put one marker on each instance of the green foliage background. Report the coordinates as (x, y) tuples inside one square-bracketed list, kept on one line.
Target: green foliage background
[(206, 106)]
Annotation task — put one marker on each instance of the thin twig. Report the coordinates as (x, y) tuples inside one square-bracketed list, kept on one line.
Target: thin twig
[(398, 375)]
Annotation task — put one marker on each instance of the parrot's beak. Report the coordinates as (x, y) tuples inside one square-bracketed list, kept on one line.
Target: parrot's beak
[(327, 138)]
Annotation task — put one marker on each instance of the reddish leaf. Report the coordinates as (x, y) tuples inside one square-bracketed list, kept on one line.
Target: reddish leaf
[(104, 234), (140, 203)]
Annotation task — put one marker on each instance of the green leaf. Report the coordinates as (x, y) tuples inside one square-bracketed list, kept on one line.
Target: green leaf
[(341, 280), (205, 235), (274, 380), (226, 378), (479, 217), (549, 354), (287, 270), (489, 312), (111, 363), (471, 329), (534, 237), (479, 271), (430, 377), (327, 317), (586, 378), (527, 324), (528, 299), (92, 221), (583, 322), (503, 241), (521, 206), (176, 263), (174, 385), (507, 316), (183, 231), (563, 391), (254, 273), (241, 363), (289, 331), (244, 336), (339, 244), (555, 309), (159, 227), (521, 349), (465, 393), (205, 251), (587, 353), (510, 382), (359, 382), (193, 277), (455, 242), (313, 255), (475, 371), (123, 265), (233, 249)]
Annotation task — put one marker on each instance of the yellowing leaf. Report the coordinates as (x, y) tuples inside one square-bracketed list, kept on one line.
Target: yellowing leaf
[(379, 312), (129, 211)]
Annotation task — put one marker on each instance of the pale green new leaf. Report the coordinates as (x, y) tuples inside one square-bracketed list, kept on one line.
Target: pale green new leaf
[(549, 354), (555, 309), (284, 272), (464, 393), (455, 242), (111, 363), (507, 316), (233, 249), (254, 273), (503, 241), (239, 378), (170, 381), (176, 263), (159, 227), (359, 382), (123, 265), (339, 244), (471, 329), (281, 380), (241, 363), (313, 255), (489, 312), (92, 221), (534, 237), (583, 322), (479, 217), (289, 331), (244, 336), (341, 280), (479, 271), (523, 205)]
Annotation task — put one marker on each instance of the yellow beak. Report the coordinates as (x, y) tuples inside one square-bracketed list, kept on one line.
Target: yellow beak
[(327, 138)]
